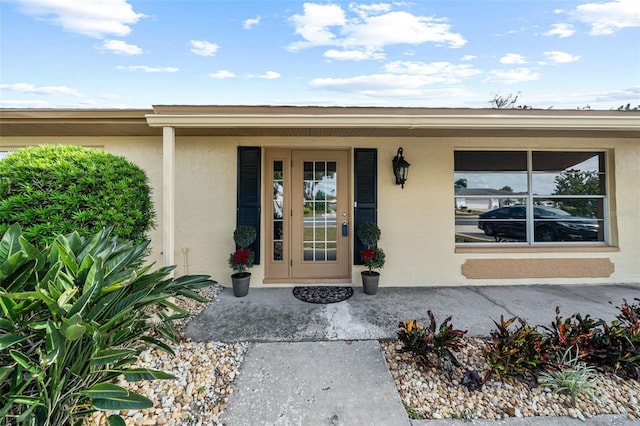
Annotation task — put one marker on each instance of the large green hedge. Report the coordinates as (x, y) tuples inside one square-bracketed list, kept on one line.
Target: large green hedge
[(57, 189)]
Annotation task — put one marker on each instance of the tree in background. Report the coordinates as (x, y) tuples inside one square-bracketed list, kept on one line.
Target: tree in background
[(57, 189), (578, 182)]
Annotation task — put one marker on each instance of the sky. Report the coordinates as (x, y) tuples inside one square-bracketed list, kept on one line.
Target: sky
[(560, 54)]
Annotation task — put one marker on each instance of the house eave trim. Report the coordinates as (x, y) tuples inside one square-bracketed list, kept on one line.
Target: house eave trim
[(394, 121)]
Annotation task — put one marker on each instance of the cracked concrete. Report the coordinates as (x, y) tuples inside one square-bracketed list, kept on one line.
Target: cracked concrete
[(322, 365), (275, 315)]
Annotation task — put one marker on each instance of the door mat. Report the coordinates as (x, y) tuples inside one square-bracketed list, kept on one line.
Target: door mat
[(323, 294)]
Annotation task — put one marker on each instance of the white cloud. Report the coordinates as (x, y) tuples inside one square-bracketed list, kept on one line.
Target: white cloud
[(561, 57), (203, 48), (403, 79), (561, 30), (146, 68), (513, 58), (122, 48), (364, 10), (96, 18), (251, 22), (390, 86), (608, 17), (314, 25), (353, 55), (434, 72), (39, 90), (269, 75), (596, 100), (328, 25), (221, 74), (468, 58), (517, 75)]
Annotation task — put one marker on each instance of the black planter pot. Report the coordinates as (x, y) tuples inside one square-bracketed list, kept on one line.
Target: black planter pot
[(370, 281), (240, 283)]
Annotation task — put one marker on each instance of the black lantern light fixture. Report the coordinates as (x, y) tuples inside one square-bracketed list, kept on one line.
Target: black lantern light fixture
[(400, 168)]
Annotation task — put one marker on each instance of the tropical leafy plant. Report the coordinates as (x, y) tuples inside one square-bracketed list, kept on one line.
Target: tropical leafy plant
[(440, 340), (515, 352), (75, 317), (617, 346), (58, 189), (575, 331)]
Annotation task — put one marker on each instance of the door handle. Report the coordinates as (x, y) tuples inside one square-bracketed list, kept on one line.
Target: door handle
[(345, 228)]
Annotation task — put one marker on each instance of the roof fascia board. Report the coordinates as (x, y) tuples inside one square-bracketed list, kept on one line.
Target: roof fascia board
[(603, 122)]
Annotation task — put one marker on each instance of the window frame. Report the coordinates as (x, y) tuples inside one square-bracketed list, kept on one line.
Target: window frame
[(530, 199)]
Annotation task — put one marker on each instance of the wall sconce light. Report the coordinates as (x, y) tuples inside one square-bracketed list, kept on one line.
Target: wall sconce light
[(400, 168)]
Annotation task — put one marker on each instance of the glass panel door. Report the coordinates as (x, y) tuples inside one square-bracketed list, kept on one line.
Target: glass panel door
[(320, 217), (319, 209)]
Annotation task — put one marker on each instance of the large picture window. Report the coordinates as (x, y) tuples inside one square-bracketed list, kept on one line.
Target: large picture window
[(530, 197)]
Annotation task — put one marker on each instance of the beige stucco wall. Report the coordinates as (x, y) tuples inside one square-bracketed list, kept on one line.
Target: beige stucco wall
[(417, 222)]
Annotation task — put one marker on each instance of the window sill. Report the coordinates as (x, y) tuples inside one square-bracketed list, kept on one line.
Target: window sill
[(540, 249)]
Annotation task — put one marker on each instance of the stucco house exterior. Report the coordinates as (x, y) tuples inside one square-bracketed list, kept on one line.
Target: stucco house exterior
[(306, 177)]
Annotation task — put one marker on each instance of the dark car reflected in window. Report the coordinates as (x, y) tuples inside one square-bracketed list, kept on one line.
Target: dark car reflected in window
[(550, 224)]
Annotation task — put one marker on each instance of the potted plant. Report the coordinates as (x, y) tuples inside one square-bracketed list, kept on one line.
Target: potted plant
[(242, 259), (373, 256)]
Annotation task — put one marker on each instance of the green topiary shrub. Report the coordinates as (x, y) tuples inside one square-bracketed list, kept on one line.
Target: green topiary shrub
[(57, 189), (73, 318)]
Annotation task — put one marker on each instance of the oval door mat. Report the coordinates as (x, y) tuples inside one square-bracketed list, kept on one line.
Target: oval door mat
[(324, 295)]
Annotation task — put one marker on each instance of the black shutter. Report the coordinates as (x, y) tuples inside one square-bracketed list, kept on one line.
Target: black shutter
[(248, 201), (366, 193)]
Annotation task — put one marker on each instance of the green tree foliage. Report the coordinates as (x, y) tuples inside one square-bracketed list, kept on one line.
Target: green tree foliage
[(57, 189), (460, 183), (73, 318), (578, 182)]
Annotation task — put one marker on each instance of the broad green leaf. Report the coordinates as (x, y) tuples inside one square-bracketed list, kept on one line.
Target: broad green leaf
[(192, 295), (5, 371), (115, 420), (24, 361), (8, 340), (73, 328), (158, 343), (10, 243), (11, 265), (66, 255), (63, 300), (109, 356), (136, 374), (8, 306), (32, 252), (132, 401), (53, 343), (105, 390), (83, 301)]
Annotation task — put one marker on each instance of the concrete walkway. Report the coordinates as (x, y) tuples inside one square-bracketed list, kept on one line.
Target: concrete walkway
[(322, 365)]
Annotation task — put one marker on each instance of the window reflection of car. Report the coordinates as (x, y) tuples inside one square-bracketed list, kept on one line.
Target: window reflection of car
[(550, 224)]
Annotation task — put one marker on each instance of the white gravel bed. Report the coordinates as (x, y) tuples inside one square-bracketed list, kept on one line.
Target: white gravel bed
[(203, 374), (433, 393)]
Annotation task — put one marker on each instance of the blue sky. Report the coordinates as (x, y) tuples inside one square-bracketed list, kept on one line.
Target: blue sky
[(423, 53)]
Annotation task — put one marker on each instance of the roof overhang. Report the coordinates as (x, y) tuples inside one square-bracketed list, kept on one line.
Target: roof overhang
[(453, 121), (264, 121)]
